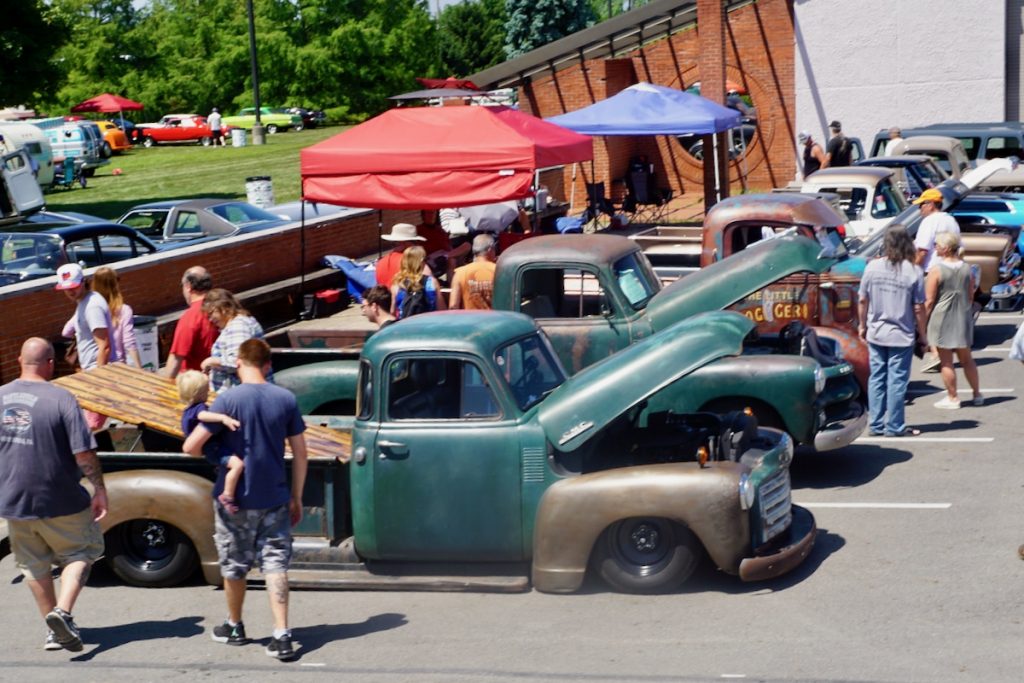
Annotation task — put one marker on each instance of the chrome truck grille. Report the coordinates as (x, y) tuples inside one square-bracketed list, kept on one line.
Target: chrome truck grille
[(774, 499)]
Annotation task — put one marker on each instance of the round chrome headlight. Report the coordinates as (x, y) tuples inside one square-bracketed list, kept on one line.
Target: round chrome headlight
[(786, 456), (819, 379), (746, 492)]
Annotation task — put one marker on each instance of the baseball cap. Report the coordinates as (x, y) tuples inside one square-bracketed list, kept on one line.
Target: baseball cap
[(835, 125), (929, 195), (69, 276), (803, 136)]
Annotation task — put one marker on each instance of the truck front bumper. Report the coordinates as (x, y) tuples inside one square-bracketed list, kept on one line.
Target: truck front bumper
[(839, 433), (797, 546)]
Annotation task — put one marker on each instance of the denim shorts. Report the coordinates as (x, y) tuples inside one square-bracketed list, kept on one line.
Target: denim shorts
[(246, 535)]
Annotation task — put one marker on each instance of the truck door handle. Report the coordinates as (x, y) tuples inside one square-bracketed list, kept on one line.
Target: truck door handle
[(391, 444), (396, 447)]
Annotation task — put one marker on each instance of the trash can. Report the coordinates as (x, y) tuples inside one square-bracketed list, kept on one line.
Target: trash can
[(148, 341), (238, 137), (259, 191)]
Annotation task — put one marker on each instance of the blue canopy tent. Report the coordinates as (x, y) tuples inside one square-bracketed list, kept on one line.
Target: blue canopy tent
[(648, 109)]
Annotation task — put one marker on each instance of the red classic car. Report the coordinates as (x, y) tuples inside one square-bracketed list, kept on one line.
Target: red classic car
[(177, 128)]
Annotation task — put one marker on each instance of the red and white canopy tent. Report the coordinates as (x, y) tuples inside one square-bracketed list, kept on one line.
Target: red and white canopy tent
[(437, 157)]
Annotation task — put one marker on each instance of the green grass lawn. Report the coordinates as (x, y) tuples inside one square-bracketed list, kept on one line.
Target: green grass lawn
[(190, 170)]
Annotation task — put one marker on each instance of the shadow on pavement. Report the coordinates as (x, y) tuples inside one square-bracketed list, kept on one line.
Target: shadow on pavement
[(931, 428), (993, 335), (312, 638), (108, 637), (854, 465)]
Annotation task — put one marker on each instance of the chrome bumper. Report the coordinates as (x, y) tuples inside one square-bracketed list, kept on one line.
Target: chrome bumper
[(841, 432)]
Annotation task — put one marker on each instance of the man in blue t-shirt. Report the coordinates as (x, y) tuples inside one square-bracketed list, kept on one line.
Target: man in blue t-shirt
[(45, 449), (267, 509)]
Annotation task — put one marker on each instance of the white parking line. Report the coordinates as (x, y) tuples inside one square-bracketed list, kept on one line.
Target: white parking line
[(880, 506), (1001, 349), (734, 675), (1000, 316), (312, 664), (984, 390), (924, 439)]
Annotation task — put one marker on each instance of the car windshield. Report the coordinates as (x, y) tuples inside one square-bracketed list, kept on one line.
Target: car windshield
[(530, 368), (636, 279), (242, 214), (28, 255)]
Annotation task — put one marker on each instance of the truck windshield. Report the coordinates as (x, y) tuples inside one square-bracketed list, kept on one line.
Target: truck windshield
[(636, 279), (530, 368)]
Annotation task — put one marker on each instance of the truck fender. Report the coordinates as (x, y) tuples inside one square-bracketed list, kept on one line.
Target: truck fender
[(180, 499), (319, 384), (853, 350), (574, 512)]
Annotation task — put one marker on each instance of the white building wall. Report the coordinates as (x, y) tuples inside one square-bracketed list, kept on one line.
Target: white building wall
[(873, 64)]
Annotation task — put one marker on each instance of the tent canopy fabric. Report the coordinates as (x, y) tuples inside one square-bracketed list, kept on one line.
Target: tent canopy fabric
[(647, 109), (450, 82), (107, 103), (435, 92), (437, 157)]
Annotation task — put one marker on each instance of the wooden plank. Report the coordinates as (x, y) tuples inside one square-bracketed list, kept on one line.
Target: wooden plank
[(137, 397)]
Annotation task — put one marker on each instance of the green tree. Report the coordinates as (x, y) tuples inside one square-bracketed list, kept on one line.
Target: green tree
[(471, 36), (534, 23), (30, 35)]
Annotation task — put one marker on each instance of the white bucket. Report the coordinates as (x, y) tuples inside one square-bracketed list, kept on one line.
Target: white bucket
[(148, 341), (238, 137), (259, 191)]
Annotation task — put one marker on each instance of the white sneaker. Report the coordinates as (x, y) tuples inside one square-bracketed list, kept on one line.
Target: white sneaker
[(948, 403), (931, 364)]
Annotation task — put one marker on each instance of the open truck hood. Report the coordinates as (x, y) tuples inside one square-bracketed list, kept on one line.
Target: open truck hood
[(725, 282), (587, 402)]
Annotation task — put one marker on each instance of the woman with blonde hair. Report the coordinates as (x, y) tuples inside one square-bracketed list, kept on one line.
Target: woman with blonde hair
[(414, 278), (949, 295), (236, 326), (123, 345)]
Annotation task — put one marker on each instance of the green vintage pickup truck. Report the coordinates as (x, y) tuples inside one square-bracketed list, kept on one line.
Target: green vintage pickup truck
[(471, 449), (595, 295)]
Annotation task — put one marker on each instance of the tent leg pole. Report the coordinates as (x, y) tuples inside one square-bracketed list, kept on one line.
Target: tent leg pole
[(302, 255)]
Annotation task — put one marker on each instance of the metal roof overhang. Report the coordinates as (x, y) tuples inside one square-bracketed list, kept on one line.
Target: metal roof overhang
[(611, 38)]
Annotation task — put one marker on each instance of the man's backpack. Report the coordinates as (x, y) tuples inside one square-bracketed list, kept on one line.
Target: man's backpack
[(416, 302)]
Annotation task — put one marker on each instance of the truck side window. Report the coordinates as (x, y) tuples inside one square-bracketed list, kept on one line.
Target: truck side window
[(364, 398), (561, 293), (438, 389)]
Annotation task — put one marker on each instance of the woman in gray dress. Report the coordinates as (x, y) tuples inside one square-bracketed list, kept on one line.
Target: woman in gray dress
[(949, 295)]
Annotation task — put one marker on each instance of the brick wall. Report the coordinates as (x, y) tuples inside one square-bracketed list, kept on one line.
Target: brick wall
[(152, 285), (759, 54)]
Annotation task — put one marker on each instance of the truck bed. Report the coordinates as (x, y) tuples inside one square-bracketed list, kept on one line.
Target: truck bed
[(149, 400)]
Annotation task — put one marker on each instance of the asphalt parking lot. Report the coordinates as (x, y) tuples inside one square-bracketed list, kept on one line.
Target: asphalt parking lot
[(914, 577)]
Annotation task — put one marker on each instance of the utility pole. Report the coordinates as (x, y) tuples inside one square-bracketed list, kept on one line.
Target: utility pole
[(257, 127)]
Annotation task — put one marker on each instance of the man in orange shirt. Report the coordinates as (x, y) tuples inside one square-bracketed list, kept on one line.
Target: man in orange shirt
[(473, 284)]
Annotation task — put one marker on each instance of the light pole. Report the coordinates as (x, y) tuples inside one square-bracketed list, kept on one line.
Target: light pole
[(257, 127)]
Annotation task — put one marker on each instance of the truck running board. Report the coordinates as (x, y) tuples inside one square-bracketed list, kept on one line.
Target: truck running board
[(407, 577)]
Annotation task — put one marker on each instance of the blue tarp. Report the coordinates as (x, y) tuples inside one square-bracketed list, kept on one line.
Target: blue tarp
[(648, 109)]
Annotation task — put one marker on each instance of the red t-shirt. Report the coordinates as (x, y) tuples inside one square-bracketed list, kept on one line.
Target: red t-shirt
[(387, 267), (193, 337)]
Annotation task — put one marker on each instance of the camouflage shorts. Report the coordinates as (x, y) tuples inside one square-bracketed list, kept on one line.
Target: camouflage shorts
[(242, 537)]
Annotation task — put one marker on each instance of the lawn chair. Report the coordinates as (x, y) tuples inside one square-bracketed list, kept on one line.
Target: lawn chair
[(600, 210), (645, 201)]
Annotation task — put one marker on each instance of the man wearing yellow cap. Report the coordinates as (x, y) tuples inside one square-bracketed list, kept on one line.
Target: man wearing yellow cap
[(935, 221)]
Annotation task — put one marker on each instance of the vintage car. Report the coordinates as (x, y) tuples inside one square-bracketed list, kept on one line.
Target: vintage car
[(274, 119), (947, 152), (176, 128), (868, 196), (189, 219), (116, 139), (473, 459), (33, 253), (311, 118), (978, 141), (912, 173)]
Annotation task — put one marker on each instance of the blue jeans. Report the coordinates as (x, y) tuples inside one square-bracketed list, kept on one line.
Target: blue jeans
[(887, 387)]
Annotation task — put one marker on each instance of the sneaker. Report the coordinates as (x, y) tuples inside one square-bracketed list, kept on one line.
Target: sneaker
[(281, 648), (64, 630), (232, 635), (947, 403), (978, 400), (931, 364), (1020, 551), (51, 641)]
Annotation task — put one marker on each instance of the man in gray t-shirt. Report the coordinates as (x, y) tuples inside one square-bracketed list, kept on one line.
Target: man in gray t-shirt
[(91, 322), (45, 448), (891, 307)]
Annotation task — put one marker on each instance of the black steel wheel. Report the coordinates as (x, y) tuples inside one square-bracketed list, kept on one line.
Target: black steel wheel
[(646, 555), (150, 553)]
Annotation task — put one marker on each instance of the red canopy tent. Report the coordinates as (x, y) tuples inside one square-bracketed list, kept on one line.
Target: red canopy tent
[(437, 157), (107, 103)]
